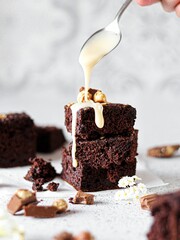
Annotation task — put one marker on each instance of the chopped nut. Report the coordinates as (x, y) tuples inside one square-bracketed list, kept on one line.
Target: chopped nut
[(100, 97), (81, 96), (84, 236), (163, 151), (83, 198), (24, 193), (148, 201), (61, 205)]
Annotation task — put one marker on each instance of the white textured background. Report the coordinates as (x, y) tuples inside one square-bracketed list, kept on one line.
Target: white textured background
[(40, 42)]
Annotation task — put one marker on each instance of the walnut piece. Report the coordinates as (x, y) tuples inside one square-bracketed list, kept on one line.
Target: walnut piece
[(24, 193), (148, 201), (61, 205), (163, 151), (81, 96), (100, 97)]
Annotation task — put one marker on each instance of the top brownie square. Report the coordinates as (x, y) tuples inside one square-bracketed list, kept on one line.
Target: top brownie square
[(118, 119)]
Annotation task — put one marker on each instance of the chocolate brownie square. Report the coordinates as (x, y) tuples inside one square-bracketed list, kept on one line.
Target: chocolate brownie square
[(49, 138), (119, 119), (101, 162), (17, 139), (166, 213)]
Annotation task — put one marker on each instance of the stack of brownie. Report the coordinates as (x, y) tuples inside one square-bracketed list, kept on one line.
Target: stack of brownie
[(105, 154)]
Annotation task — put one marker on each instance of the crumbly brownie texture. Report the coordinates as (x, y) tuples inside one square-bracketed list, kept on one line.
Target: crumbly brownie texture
[(101, 163), (40, 169), (118, 118), (49, 138), (166, 213), (17, 140), (53, 186), (38, 185)]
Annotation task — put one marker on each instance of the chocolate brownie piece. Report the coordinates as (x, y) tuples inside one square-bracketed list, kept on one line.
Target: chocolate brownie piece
[(101, 162), (17, 139), (118, 119), (166, 213), (49, 138), (41, 171)]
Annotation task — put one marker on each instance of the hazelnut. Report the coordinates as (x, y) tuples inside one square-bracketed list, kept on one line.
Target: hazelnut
[(61, 205), (84, 236), (24, 193), (100, 97), (81, 96)]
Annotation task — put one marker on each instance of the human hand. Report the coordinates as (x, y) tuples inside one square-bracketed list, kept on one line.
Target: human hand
[(168, 5)]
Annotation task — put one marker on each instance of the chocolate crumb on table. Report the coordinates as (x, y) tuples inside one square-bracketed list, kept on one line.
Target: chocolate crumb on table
[(40, 169), (38, 185), (163, 151), (53, 186), (166, 213), (82, 198), (17, 139), (40, 211), (21, 198), (49, 138)]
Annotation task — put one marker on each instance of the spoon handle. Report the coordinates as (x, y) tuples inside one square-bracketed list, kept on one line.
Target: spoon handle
[(122, 9)]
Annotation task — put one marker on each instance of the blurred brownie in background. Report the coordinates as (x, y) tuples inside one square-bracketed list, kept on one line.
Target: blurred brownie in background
[(166, 213), (49, 138), (17, 139)]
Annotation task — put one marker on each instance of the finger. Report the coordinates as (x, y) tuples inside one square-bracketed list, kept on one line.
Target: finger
[(169, 5), (177, 9), (146, 2)]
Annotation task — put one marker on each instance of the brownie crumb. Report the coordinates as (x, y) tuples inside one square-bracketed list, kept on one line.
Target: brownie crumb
[(38, 185), (71, 200), (53, 186), (40, 169)]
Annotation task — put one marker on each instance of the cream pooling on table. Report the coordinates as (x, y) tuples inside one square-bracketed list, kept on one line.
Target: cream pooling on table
[(90, 55)]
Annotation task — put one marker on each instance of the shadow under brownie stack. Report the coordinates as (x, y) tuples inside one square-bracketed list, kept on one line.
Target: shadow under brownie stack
[(104, 155)]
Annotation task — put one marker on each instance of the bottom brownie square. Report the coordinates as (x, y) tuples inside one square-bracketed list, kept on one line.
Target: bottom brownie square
[(101, 163)]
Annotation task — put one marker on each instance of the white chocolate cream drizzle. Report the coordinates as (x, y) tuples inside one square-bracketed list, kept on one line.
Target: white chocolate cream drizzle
[(99, 120), (90, 55)]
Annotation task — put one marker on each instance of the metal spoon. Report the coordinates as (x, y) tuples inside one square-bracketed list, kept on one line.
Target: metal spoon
[(103, 41)]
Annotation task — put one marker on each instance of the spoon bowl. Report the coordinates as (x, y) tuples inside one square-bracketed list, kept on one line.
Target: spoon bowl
[(103, 41)]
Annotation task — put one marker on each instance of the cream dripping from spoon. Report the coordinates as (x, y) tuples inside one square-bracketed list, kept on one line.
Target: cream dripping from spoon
[(95, 48)]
